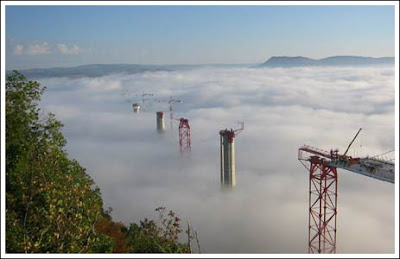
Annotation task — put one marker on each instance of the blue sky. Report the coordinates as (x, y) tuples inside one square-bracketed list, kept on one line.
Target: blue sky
[(48, 36)]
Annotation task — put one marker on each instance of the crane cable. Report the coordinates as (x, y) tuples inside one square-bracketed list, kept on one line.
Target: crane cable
[(383, 153)]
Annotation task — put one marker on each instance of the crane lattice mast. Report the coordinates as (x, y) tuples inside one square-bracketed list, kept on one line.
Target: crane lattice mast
[(184, 136), (323, 189)]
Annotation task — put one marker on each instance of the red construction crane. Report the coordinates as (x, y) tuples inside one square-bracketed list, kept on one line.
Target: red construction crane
[(323, 189), (184, 136), (171, 102)]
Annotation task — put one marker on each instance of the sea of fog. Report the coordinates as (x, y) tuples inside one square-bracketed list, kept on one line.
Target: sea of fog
[(138, 169)]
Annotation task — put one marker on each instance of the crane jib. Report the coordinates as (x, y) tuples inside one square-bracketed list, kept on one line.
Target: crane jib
[(368, 166)]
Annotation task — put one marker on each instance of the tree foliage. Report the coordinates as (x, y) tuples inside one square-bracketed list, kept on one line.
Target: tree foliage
[(152, 237), (116, 230), (52, 204)]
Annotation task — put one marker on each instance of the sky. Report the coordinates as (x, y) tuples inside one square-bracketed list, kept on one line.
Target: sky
[(138, 169), (54, 36)]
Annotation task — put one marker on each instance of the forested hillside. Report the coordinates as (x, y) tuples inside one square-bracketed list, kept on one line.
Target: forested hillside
[(52, 204)]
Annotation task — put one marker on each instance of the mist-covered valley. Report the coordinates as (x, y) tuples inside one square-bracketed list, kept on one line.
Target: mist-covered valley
[(138, 169)]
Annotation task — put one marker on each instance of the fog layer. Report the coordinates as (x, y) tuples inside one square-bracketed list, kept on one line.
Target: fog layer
[(138, 169)]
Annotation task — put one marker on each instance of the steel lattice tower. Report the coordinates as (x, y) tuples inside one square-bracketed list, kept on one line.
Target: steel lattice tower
[(184, 135), (323, 206), (323, 189)]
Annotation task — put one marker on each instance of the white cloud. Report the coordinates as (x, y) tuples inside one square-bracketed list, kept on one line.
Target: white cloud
[(139, 170), (38, 49), (44, 48), (74, 50), (19, 49)]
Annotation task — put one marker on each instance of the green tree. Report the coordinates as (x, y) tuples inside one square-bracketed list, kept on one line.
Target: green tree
[(152, 237), (52, 204), (116, 230)]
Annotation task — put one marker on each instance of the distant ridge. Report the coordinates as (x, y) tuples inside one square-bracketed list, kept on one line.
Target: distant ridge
[(96, 70), (93, 70), (284, 61)]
